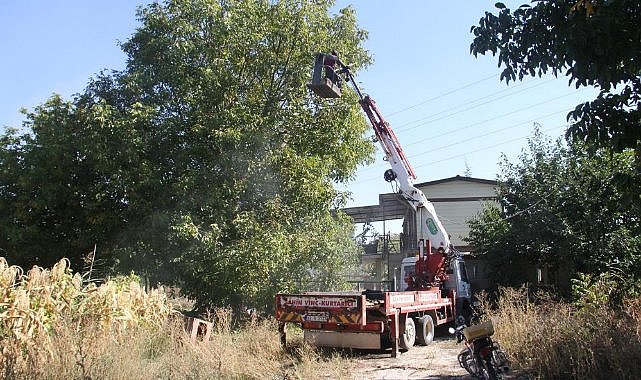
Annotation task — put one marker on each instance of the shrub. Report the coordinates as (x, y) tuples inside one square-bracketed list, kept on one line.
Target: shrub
[(555, 339)]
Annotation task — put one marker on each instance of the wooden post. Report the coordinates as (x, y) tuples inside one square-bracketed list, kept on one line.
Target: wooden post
[(282, 330)]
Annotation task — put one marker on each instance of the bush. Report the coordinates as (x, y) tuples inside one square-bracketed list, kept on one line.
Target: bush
[(555, 339)]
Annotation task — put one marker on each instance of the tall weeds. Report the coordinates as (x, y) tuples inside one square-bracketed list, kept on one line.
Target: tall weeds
[(557, 340), (54, 326), (51, 320)]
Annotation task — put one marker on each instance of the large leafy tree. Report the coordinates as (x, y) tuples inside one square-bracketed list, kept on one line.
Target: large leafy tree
[(563, 208), (206, 159), (591, 219), (594, 42)]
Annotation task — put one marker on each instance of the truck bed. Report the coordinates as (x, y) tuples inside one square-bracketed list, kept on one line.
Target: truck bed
[(360, 319), (352, 307)]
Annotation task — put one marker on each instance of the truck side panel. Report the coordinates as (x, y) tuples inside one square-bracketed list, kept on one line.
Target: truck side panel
[(353, 320), (322, 308), (421, 301)]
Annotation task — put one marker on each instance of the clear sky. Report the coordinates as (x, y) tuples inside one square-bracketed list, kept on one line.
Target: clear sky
[(56, 46), (448, 109)]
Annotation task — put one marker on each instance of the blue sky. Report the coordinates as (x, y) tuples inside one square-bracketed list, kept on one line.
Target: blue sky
[(56, 46), (461, 114), (448, 108)]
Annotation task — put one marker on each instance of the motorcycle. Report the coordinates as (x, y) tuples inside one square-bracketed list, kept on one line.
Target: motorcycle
[(482, 357)]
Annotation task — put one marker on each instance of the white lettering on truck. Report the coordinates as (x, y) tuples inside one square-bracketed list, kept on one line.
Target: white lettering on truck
[(319, 302)]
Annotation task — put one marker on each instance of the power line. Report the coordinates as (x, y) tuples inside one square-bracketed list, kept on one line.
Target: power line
[(485, 134), (487, 147), (503, 115), (468, 152), (511, 88), (400, 128), (442, 95)]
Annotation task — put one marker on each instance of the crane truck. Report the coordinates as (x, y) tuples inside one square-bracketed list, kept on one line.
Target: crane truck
[(434, 283)]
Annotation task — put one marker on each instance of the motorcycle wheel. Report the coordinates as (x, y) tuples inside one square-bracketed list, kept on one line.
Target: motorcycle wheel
[(500, 361), (466, 360), (488, 372), (462, 360)]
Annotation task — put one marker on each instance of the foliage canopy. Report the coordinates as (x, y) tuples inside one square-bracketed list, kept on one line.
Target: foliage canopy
[(206, 159), (594, 42), (564, 209)]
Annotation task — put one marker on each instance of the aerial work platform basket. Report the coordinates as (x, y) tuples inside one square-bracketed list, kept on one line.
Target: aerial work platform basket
[(325, 80)]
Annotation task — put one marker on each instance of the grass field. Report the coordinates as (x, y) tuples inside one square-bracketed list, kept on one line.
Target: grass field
[(54, 325)]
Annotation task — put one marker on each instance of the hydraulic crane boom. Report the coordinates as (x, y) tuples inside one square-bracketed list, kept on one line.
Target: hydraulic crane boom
[(430, 227), (375, 319), (433, 242)]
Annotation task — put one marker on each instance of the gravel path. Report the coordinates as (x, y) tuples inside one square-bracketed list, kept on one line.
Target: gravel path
[(436, 361)]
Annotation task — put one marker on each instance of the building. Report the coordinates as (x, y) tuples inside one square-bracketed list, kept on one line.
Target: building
[(456, 200)]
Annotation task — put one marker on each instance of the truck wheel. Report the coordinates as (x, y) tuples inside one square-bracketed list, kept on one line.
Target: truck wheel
[(424, 330), (407, 334)]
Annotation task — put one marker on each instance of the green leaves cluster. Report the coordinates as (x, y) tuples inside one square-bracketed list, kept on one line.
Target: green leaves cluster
[(563, 208), (205, 160), (594, 42)]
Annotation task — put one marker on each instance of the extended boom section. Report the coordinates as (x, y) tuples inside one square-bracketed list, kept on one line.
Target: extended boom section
[(428, 223)]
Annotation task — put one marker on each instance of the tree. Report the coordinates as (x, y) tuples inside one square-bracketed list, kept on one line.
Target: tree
[(594, 42), (61, 185), (209, 161), (563, 208)]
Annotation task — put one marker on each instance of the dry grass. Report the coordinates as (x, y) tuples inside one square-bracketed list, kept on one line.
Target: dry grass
[(52, 326), (556, 340)]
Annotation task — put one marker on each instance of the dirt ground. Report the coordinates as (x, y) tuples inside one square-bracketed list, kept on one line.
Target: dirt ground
[(436, 361)]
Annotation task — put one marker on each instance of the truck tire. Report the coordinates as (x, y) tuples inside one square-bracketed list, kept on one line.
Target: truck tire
[(407, 333), (424, 330)]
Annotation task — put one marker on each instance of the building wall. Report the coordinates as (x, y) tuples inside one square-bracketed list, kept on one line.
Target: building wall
[(456, 202), (454, 216)]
